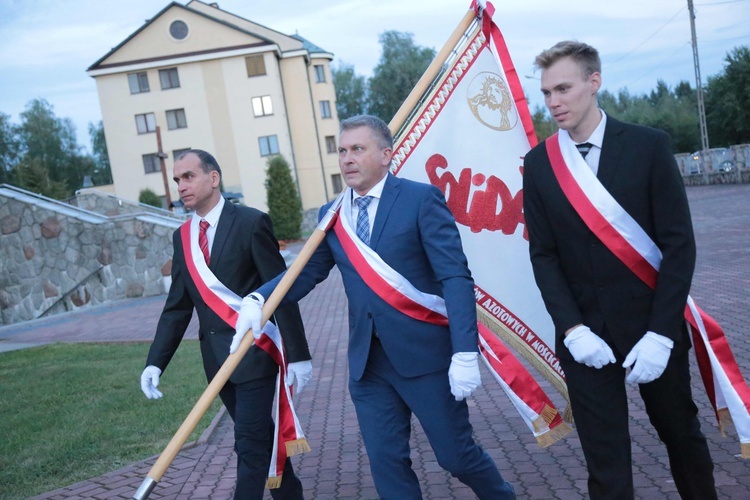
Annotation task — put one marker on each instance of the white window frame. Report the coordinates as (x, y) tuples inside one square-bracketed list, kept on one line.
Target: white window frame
[(269, 145), (176, 119), (145, 123), (262, 105), (166, 76)]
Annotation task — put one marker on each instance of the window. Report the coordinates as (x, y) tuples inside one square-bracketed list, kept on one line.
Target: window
[(262, 106), (177, 152), (176, 119), (151, 163), (256, 65), (269, 145), (325, 109), (145, 123), (336, 182), (169, 78), (178, 30), (331, 144), (138, 82), (320, 73)]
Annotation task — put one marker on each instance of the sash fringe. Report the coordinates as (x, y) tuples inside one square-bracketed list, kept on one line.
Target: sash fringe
[(296, 447), (273, 482)]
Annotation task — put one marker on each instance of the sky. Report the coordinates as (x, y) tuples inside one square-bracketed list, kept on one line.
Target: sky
[(47, 45)]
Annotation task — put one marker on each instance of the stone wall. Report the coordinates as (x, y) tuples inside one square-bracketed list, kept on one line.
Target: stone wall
[(56, 257), (707, 173)]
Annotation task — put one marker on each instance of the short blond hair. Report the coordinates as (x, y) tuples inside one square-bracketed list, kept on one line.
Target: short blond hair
[(586, 56)]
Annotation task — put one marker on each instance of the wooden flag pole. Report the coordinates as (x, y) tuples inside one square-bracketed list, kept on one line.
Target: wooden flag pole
[(226, 370), (431, 72)]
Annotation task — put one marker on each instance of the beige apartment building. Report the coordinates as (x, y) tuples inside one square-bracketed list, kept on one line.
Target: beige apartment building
[(209, 79)]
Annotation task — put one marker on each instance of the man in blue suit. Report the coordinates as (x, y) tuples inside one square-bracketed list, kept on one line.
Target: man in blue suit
[(398, 364)]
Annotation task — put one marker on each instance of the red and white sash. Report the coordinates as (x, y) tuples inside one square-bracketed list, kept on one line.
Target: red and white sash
[(534, 406), (289, 439), (725, 386)]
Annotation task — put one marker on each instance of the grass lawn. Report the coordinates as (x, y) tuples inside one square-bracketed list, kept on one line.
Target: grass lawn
[(74, 411)]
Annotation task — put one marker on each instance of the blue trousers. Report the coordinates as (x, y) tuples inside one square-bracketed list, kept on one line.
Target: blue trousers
[(384, 402)]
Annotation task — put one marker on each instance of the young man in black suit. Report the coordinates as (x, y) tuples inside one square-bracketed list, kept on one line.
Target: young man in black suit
[(611, 327), (242, 253)]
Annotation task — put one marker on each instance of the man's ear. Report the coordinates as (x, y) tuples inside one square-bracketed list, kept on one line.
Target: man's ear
[(595, 80)]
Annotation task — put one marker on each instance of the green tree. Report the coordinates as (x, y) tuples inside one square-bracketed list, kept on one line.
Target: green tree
[(350, 91), (282, 198), (401, 65), (544, 125), (728, 101), (50, 141), (102, 172), (33, 176), (9, 149), (148, 197)]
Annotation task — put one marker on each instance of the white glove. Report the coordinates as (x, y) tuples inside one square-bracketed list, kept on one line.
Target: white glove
[(650, 356), (249, 317), (299, 372), (463, 374), (588, 348), (150, 382)]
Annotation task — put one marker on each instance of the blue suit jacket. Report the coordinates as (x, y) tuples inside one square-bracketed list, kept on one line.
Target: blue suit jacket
[(415, 234)]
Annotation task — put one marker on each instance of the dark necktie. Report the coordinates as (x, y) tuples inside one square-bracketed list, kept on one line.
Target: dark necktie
[(584, 148), (363, 219), (203, 240)]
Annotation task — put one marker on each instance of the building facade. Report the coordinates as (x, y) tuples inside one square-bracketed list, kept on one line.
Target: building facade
[(209, 79)]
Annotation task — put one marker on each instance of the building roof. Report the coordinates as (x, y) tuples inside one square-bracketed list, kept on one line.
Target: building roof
[(259, 34)]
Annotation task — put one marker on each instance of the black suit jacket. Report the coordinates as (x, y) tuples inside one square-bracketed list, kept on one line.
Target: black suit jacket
[(580, 279), (244, 255)]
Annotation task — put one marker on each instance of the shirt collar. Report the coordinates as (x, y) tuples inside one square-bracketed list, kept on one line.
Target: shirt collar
[(213, 216), (376, 191), (597, 136)]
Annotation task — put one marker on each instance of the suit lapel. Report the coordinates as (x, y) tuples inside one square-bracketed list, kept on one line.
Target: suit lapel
[(223, 229), (612, 146), (387, 199)]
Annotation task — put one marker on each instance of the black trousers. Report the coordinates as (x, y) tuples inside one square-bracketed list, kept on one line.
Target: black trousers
[(600, 409), (249, 404)]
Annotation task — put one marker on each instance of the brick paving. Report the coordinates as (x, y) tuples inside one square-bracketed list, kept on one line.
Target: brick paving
[(338, 468)]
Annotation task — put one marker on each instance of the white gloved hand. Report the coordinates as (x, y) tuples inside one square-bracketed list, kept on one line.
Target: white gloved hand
[(299, 374), (588, 348), (249, 317), (650, 355), (464, 375), (150, 382)]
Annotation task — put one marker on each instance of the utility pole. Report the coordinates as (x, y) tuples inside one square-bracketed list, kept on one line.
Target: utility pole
[(161, 154), (698, 85)]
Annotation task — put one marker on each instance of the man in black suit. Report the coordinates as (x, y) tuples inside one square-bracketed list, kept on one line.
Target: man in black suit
[(611, 326), (242, 253)]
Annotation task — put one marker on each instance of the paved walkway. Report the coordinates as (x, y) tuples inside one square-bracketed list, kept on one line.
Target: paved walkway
[(337, 467)]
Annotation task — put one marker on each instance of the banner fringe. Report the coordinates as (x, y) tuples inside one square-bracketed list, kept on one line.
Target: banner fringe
[(554, 435), (524, 350), (567, 414), (296, 447), (745, 447), (273, 482)]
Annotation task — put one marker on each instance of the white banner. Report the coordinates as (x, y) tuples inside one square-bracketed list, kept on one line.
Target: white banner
[(468, 137)]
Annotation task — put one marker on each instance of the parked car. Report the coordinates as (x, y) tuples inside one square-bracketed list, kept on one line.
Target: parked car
[(723, 160)]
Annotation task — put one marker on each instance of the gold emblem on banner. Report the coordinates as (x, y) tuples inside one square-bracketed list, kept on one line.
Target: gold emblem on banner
[(491, 103)]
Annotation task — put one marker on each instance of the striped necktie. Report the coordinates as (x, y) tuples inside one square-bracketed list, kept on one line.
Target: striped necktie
[(363, 219), (584, 148), (203, 240)]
